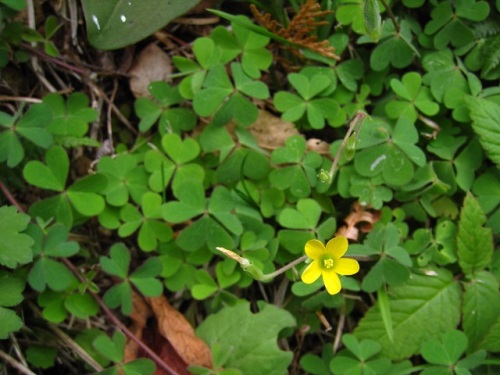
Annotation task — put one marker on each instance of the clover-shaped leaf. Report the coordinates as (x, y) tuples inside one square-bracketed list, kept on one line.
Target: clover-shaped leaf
[(316, 109), (217, 220), (32, 125), (364, 351), (394, 48), (254, 56), (416, 98), (151, 230), (71, 118), (392, 267), (443, 74), (448, 25), (392, 158), (217, 87), (82, 196), (143, 278), (446, 353), (160, 110), (114, 349), (47, 271), (125, 179), (301, 175)]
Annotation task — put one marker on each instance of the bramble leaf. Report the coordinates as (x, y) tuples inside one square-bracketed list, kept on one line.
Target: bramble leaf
[(253, 351), (411, 305), (474, 242), (15, 247)]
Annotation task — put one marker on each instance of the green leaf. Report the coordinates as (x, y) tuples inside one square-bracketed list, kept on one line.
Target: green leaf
[(485, 114), (53, 174), (10, 322), (72, 117), (411, 305), (446, 351), (180, 151), (111, 348), (41, 356), (32, 126), (253, 350), (191, 203), (125, 179), (306, 216), (481, 308), (119, 261), (120, 23), (474, 242), (144, 278), (15, 247), (83, 194), (393, 48)]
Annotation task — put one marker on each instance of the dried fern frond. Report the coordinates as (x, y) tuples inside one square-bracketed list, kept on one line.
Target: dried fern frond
[(298, 31)]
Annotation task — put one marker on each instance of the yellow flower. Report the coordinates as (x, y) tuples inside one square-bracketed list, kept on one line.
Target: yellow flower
[(328, 262)]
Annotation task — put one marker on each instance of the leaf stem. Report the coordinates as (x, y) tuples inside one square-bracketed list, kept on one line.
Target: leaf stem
[(355, 125), (391, 15)]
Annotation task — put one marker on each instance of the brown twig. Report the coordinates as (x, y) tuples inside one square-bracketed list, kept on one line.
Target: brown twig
[(17, 365)]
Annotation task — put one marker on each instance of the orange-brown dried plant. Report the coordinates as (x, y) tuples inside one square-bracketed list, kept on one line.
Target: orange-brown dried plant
[(298, 32)]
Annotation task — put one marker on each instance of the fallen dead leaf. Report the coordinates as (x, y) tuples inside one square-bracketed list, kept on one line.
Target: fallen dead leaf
[(321, 147), (139, 317), (271, 131), (358, 215), (173, 326), (151, 65)]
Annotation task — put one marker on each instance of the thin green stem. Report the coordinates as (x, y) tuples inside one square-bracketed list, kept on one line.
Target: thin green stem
[(272, 275)]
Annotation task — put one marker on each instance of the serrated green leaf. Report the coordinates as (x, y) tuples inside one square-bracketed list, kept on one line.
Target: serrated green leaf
[(485, 114), (474, 242), (481, 308), (411, 305), (15, 247), (10, 322), (237, 329)]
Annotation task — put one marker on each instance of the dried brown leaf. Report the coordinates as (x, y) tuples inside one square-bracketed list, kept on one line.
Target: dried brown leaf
[(174, 327), (358, 215), (139, 317), (271, 132), (151, 65)]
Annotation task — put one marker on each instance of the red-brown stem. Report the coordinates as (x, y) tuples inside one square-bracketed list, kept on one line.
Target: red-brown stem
[(119, 324), (10, 197)]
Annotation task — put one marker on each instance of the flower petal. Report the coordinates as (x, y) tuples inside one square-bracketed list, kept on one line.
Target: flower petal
[(346, 266), (332, 282), (337, 246), (311, 273), (314, 249)]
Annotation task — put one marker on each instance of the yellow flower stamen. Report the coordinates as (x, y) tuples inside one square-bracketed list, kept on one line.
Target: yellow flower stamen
[(328, 263)]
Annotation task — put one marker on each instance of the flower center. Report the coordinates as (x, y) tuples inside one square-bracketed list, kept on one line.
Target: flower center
[(328, 263)]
